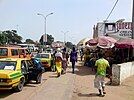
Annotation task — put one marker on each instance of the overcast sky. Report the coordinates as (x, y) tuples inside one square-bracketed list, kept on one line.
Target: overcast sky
[(76, 16)]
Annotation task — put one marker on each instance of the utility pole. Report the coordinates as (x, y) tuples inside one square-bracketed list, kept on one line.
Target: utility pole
[(133, 25), (133, 20), (65, 36)]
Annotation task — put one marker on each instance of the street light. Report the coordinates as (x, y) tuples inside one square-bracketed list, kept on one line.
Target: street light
[(65, 35), (45, 19)]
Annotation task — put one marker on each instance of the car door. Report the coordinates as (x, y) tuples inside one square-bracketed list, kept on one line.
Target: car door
[(24, 69), (31, 70)]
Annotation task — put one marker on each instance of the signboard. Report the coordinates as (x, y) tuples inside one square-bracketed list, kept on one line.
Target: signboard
[(44, 37), (124, 29)]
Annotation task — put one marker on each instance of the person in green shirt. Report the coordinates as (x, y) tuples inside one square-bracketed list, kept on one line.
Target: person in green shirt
[(101, 64)]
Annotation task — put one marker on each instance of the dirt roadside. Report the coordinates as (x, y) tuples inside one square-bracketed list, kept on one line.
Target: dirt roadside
[(84, 89)]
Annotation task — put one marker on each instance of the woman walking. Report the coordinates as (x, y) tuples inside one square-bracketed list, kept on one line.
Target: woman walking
[(58, 63)]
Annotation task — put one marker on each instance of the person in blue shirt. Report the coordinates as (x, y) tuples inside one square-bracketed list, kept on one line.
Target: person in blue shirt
[(73, 58)]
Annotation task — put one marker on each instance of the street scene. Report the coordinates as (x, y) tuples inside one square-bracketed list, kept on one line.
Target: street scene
[(67, 50), (69, 85)]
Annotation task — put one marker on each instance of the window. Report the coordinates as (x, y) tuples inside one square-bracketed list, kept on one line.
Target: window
[(44, 55), (30, 64), (110, 28), (3, 52), (8, 65), (21, 51), (14, 52), (24, 67)]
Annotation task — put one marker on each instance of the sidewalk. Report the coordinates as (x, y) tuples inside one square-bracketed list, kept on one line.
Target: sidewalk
[(84, 87)]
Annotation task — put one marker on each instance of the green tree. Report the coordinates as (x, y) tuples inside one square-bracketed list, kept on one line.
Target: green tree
[(69, 45), (50, 39), (29, 41), (3, 39), (12, 36)]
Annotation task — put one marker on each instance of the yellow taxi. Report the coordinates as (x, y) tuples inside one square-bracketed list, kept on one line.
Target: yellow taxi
[(14, 72), (46, 59)]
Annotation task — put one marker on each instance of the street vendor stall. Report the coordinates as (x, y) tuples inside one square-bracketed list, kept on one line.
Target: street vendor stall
[(102, 42), (125, 47)]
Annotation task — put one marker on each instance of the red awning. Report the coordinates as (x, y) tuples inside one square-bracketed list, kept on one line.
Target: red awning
[(125, 43)]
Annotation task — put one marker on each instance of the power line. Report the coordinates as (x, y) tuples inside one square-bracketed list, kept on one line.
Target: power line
[(112, 9), (110, 13)]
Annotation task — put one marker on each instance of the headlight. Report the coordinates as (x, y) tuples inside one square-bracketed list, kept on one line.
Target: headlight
[(3, 80)]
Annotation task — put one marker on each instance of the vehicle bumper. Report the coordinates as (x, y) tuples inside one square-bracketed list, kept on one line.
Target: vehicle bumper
[(7, 86)]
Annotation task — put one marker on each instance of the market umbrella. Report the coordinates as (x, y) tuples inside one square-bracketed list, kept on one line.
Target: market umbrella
[(125, 43), (102, 41), (92, 42)]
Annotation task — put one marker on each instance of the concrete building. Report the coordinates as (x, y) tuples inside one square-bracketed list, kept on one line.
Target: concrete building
[(118, 29)]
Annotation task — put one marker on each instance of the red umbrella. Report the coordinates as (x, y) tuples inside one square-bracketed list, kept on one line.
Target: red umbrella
[(102, 41), (92, 42), (125, 43)]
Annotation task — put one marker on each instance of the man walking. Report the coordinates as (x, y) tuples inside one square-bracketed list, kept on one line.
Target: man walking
[(101, 64), (73, 58)]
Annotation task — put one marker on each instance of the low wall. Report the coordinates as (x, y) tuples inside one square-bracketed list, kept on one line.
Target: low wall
[(121, 72)]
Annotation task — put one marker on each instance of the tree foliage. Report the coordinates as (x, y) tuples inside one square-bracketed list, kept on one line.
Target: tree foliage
[(10, 36), (69, 45), (50, 39), (29, 41)]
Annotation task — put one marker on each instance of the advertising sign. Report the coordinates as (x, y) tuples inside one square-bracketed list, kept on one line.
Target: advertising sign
[(124, 29), (44, 37)]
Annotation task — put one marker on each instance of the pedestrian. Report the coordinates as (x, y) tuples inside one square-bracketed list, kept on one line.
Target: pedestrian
[(64, 61), (58, 63), (73, 58), (38, 65), (53, 61), (92, 60), (101, 64)]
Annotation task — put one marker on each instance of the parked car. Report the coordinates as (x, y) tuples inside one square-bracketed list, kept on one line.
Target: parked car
[(46, 59), (15, 72), (14, 52)]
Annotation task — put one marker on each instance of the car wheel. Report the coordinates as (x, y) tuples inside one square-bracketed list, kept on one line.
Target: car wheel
[(19, 87), (39, 77)]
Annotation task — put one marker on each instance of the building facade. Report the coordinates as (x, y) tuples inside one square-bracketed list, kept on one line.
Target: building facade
[(113, 29)]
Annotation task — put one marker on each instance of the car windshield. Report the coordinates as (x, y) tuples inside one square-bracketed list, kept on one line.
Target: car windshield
[(42, 56), (7, 65)]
